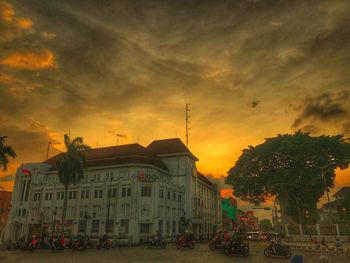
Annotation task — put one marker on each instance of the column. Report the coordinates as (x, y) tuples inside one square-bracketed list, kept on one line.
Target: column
[(318, 230), (300, 230)]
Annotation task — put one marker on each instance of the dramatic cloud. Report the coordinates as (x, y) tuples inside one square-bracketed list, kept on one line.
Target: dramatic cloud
[(29, 59), (326, 107), (131, 66), (12, 27)]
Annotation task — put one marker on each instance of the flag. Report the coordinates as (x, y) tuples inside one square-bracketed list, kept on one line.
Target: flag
[(26, 172)]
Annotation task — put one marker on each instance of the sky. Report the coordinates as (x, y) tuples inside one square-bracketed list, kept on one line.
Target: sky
[(250, 69)]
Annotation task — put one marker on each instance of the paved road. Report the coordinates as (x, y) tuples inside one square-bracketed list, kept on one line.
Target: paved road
[(201, 253)]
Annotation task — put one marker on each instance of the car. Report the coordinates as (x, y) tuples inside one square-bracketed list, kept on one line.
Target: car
[(254, 236)]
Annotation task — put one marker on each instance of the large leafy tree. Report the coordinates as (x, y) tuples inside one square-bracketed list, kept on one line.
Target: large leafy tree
[(6, 151), (70, 166), (295, 168), (266, 225)]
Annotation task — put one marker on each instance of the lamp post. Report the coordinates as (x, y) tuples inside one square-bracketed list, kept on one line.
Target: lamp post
[(54, 221), (308, 223), (109, 192)]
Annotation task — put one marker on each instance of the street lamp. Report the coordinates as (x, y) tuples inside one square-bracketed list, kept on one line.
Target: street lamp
[(308, 222)]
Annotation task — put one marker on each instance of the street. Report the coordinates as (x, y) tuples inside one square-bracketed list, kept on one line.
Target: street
[(201, 253)]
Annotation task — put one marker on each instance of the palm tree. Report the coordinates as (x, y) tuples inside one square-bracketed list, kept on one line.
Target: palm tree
[(70, 167), (5, 152)]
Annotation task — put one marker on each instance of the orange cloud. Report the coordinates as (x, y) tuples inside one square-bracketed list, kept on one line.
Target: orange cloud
[(25, 23), (7, 12), (29, 60), (225, 193)]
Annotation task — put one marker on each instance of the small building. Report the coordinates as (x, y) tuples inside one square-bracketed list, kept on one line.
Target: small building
[(5, 198), (128, 191)]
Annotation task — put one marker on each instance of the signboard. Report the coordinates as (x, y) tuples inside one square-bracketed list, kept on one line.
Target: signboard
[(141, 176)]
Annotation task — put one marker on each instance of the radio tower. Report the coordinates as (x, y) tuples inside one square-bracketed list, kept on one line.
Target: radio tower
[(187, 123)]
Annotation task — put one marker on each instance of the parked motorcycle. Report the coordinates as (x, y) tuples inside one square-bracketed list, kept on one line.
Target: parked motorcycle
[(282, 251), (237, 248), (57, 245), (152, 243), (104, 244), (217, 243), (182, 242), (79, 244)]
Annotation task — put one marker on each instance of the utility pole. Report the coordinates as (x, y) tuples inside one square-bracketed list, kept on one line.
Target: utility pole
[(109, 192), (187, 123)]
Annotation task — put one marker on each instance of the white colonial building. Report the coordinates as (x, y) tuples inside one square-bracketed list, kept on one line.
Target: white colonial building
[(128, 191)]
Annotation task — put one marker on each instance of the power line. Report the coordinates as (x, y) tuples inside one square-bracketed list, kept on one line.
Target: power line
[(188, 128)]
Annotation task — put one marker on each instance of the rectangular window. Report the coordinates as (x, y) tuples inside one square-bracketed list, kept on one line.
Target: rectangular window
[(168, 195), (146, 191), (95, 228), (110, 226), (179, 198), (58, 194), (125, 210), (126, 191), (98, 193), (144, 228), (174, 196), (82, 226), (23, 212), (124, 226), (114, 192), (70, 195), (161, 193), (46, 196)]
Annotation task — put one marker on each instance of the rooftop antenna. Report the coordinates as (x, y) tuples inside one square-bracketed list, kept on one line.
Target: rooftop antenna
[(187, 123), (48, 150)]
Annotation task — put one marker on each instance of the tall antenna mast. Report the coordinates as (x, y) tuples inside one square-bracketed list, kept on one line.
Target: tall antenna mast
[(187, 123), (48, 150)]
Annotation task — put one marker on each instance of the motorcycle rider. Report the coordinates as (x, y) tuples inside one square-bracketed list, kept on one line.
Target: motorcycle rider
[(188, 238), (157, 238), (276, 242), (33, 242)]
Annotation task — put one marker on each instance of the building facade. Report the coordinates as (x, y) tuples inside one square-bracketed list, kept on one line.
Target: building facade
[(5, 198), (128, 191)]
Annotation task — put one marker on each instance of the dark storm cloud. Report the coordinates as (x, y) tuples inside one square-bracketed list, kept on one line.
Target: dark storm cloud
[(326, 107), (123, 50), (123, 57)]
